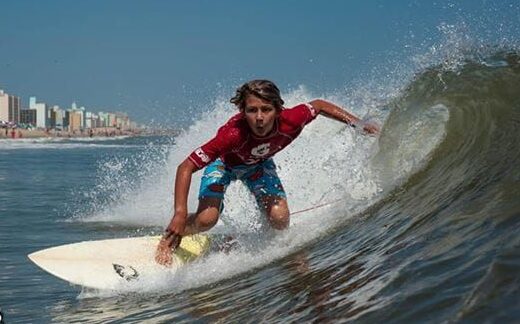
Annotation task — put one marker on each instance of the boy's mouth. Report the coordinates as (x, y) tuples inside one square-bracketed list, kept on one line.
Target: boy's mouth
[(260, 129)]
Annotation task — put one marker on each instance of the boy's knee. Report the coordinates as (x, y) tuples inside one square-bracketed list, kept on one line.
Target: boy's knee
[(207, 214), (207, 220), (279, 217)]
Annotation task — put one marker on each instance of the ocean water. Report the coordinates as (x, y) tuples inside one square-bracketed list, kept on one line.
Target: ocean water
[(417, 225)]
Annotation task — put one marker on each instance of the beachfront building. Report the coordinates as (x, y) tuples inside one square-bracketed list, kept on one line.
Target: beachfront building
[(103, 119), (96, 121), (122, 121), (42, 112), (57, 118), (112, 122), (88, 120), (28, 117), (9, 107), (4, 106), (92, 120), (75, 120), (81, 112), (117, 120), (107, 119)]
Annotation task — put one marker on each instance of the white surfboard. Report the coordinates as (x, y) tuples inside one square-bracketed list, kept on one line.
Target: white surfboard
[(108, 264)]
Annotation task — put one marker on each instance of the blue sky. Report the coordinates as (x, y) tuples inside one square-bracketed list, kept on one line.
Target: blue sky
[(166, 60)]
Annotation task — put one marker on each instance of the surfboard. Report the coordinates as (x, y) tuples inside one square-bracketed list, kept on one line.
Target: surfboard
[(108, 264)]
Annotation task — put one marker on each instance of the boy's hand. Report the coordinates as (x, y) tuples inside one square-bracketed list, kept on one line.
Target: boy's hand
[(177, 225), (171, 239), (163, 254)]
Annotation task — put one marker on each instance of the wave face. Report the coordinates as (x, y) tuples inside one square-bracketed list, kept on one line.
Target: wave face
[(444, 244)]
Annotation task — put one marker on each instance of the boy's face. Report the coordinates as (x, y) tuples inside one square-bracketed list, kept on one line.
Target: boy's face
[(260, 115)]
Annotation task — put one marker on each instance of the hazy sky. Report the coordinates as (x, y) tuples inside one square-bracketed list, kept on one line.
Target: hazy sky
[(165, 60)]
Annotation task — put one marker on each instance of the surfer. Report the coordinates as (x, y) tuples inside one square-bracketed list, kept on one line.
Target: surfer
[(242, 150)]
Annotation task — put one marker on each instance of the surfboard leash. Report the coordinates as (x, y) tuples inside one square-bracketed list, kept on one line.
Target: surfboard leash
[(317, 206)]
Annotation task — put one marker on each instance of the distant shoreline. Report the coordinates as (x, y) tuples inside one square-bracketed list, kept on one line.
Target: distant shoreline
[(20, 133)]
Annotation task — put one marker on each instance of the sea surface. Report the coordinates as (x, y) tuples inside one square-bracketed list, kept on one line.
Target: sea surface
[(419, 224)]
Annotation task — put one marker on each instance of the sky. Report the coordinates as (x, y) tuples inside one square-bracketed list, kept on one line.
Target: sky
[(167, 61)]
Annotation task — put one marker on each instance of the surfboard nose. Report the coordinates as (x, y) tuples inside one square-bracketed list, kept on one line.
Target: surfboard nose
[(107, 264)]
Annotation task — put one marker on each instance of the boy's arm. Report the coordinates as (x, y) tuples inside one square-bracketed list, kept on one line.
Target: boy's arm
[(177, 224), (182, 188), (333, 111)]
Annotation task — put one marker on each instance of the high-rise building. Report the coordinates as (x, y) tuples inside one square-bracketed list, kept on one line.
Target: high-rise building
[(9, 107), (103, 119), (112, 120), (4, 106), (75, 120), (57, 118), (122, 121), (80, 112), (91, 120), (42, 112), (28, 116)]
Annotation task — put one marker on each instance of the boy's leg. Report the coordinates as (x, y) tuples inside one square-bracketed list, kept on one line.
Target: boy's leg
[(277, 211), (206, 216), (265, 184), (213, 185)]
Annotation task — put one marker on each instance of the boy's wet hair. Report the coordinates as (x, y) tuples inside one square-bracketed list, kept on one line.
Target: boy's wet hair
[(263, 89)]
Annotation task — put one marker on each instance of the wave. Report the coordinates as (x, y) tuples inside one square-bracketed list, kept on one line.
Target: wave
[(424, 213), (453, 214), (479, 106)]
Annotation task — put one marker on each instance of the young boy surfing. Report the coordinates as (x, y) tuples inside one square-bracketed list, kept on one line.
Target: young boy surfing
[(242, 150)]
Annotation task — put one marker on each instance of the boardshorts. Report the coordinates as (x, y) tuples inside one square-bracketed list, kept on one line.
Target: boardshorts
[(261, 179)]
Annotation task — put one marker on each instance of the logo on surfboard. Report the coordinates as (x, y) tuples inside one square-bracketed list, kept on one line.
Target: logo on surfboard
[(129, 273)]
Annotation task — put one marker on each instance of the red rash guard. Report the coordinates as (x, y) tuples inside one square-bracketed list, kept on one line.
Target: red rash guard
[(235, 144)]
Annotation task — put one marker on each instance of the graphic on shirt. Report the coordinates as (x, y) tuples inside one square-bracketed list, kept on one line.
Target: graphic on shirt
[(200, 153), (261, 150)]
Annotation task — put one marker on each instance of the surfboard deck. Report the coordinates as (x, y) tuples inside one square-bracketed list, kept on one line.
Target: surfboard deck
[(107, 264)]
